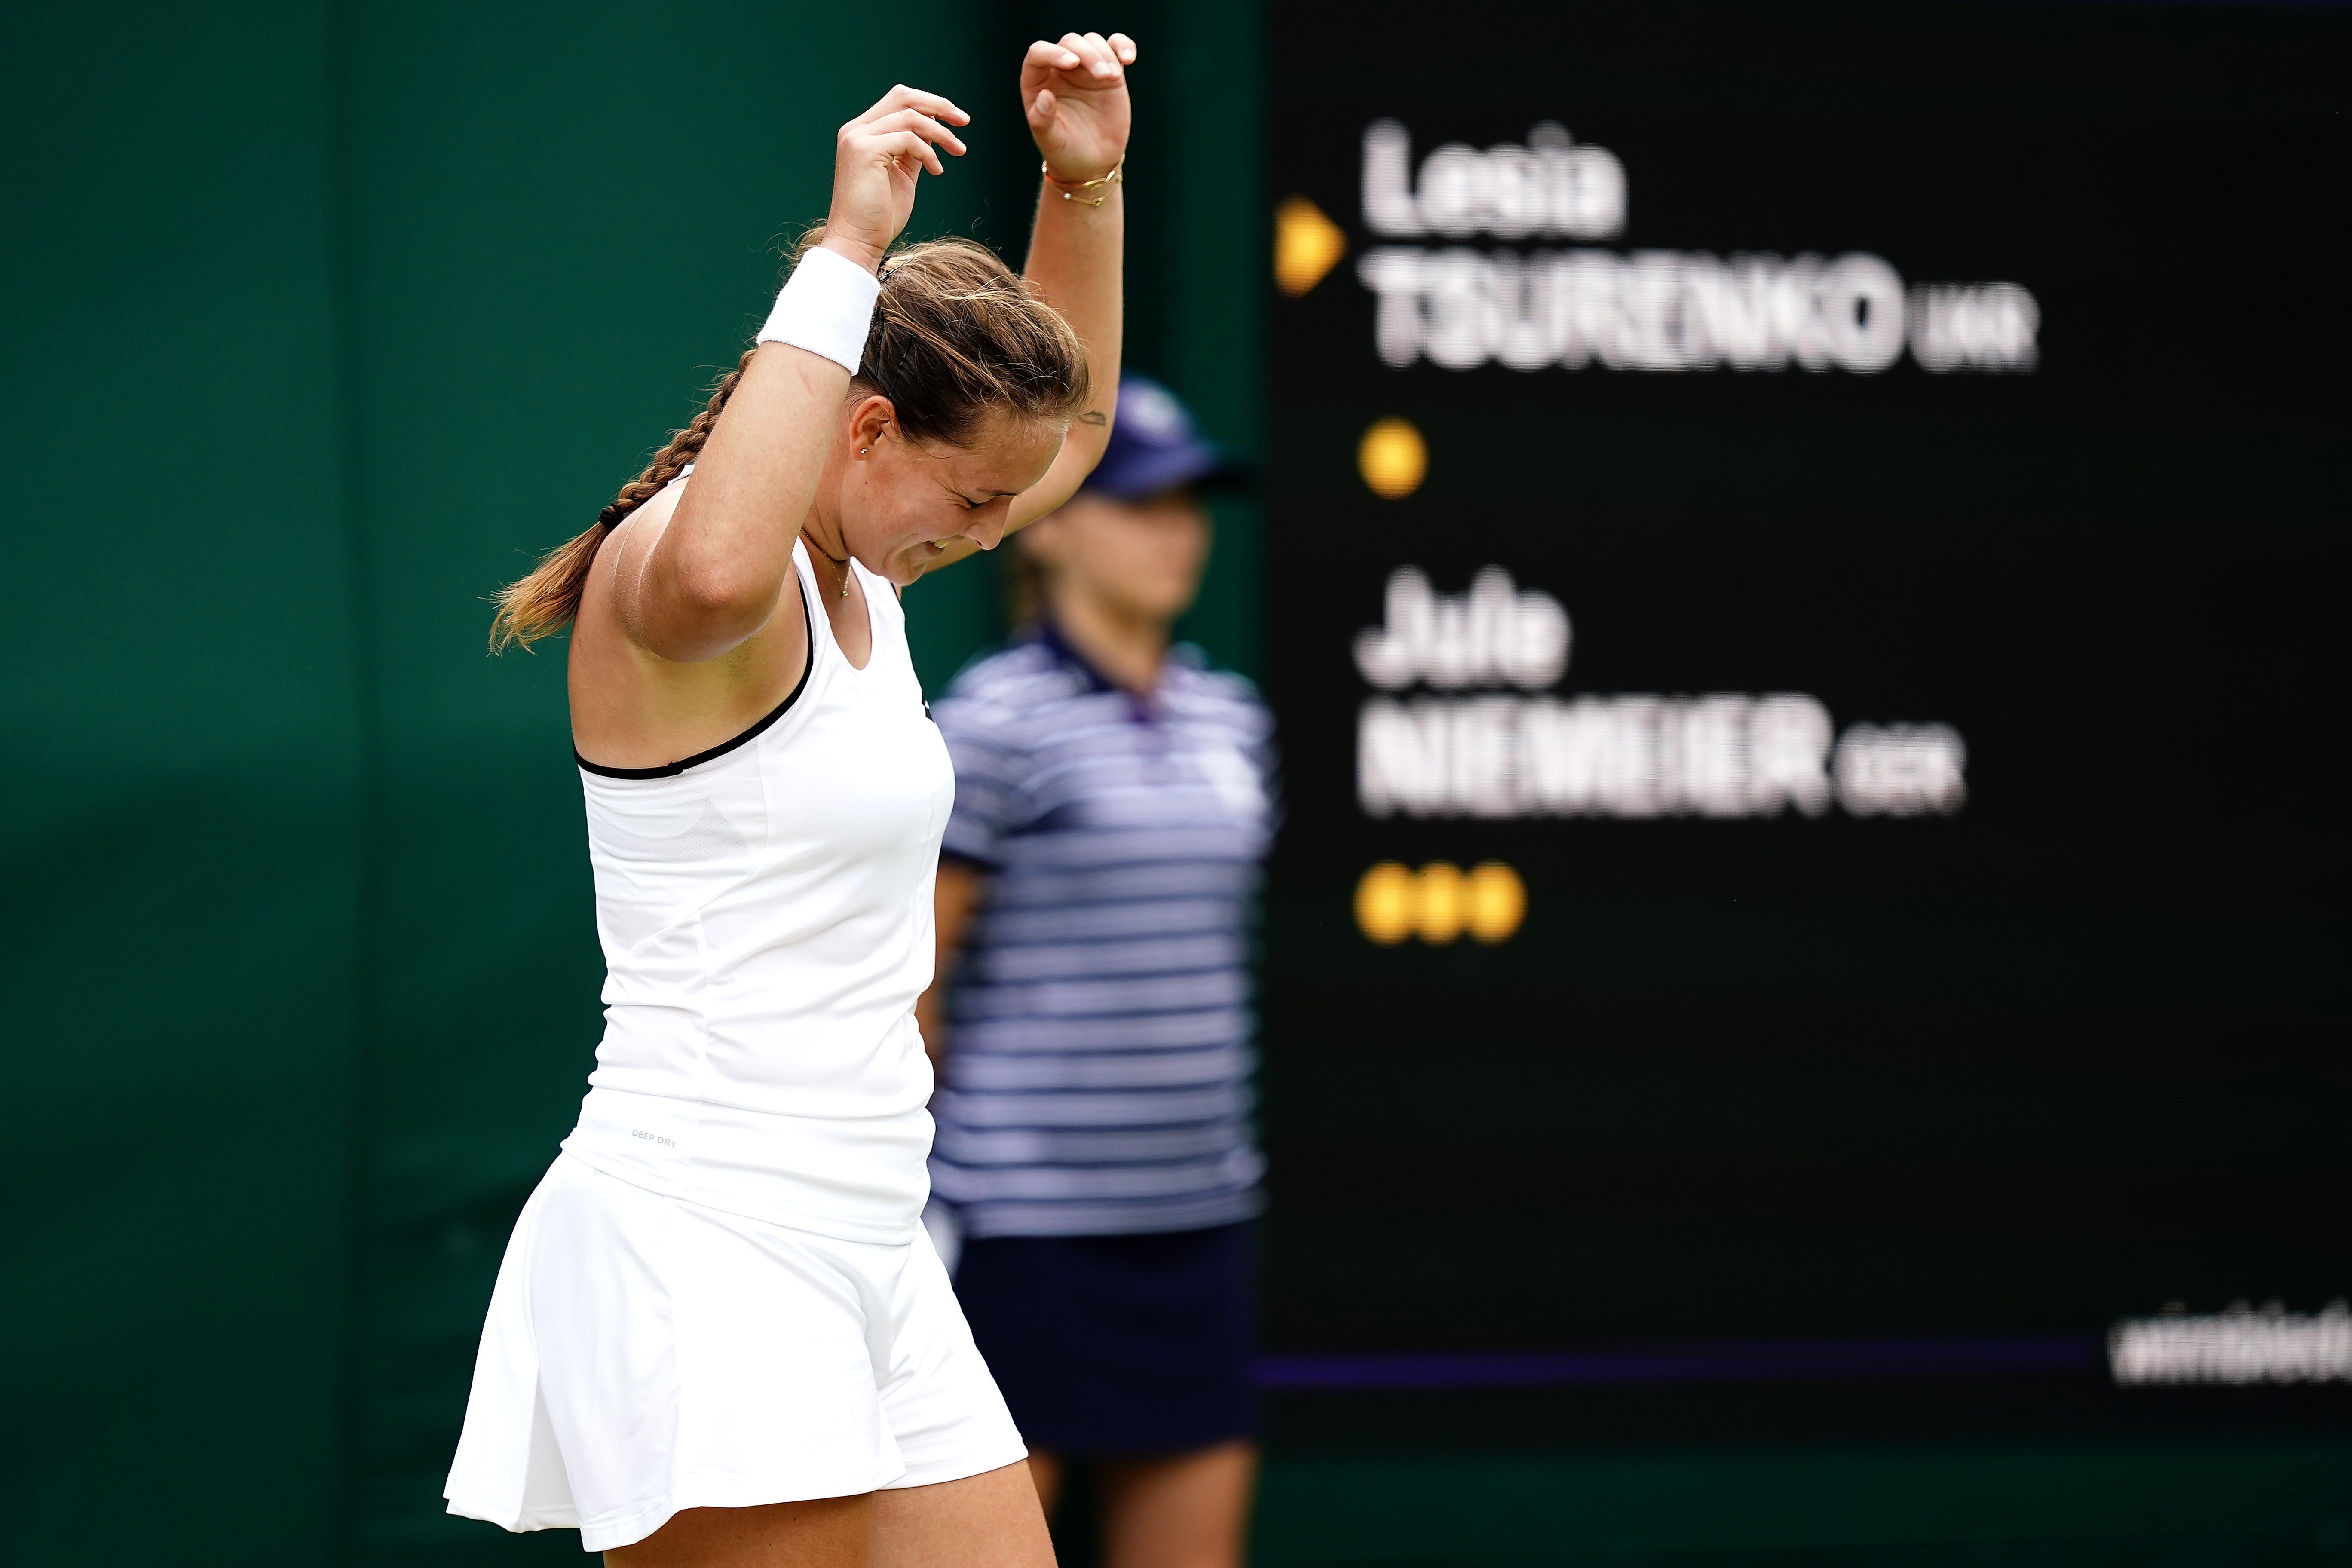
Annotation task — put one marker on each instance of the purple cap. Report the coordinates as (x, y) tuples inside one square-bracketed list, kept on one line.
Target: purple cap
[(1153, 446)]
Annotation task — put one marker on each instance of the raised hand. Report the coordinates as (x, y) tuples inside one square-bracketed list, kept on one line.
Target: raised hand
[(1075, 96), (876, 159)]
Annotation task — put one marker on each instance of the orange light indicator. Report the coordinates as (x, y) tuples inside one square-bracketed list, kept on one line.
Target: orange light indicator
[(1385, 903), (1439, 903), (1444, 903), (1497, 902), (1307, 245), (1393, 458)]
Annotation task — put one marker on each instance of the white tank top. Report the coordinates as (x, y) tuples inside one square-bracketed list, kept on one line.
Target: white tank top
[(765, 909)]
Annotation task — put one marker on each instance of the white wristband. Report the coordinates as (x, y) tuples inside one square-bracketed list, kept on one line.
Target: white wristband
[(826, 307)]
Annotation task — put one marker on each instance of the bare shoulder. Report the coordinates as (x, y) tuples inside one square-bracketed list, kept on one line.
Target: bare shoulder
[(631, 707)]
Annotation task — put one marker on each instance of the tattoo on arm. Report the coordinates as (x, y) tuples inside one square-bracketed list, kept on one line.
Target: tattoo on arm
[(1092, 416)]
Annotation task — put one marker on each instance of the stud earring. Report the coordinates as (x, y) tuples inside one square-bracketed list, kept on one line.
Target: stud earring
[(863, 450)]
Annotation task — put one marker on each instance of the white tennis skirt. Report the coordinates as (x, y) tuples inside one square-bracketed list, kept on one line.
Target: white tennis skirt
[(645, 1354)]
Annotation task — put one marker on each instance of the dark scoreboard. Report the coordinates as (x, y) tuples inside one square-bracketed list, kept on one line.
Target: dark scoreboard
[(1807, 561)]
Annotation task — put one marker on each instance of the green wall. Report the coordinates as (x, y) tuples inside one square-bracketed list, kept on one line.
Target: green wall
[(183, 832), (324, 319)]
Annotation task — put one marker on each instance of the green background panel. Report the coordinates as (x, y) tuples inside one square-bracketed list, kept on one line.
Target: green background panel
[(181, 734), (325, 320)]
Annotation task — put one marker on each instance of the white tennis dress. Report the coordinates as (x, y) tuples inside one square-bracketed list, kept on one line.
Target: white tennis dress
[(721, 1294)]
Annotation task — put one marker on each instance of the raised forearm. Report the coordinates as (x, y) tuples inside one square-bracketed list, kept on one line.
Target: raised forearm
[(712, 576), (1077, 261), (694, 588), (1074, 94)]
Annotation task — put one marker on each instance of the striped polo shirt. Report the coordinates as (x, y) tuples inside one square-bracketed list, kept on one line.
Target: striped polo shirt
[(1098, 1057)]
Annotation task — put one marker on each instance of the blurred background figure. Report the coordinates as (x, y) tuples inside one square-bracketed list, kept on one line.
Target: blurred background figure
[(1091, 1023)]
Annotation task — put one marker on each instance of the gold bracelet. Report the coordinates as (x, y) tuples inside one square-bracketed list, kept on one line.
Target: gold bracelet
[(1116, 177)]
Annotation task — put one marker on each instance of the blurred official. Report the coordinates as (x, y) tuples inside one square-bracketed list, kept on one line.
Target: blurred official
[(1095, 1152)]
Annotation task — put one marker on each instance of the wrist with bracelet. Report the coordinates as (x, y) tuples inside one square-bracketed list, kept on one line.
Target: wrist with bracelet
[(827, 304), (1103, 183)]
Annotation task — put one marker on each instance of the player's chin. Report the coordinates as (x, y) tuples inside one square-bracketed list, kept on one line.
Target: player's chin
[(911, 563)]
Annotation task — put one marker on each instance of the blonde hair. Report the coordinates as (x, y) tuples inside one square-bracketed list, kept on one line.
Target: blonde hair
[(956, 336)]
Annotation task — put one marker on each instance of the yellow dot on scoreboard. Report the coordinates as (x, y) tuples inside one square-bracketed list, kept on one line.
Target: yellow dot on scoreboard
[(1307, 245), (1385, 903), (1392, 459), (1497, 902), (1444, 901)]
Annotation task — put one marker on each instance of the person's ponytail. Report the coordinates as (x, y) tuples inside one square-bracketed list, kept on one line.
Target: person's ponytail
[(545, 602)]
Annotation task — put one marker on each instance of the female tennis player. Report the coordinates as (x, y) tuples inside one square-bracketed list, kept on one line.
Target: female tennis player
[(719, 1336)]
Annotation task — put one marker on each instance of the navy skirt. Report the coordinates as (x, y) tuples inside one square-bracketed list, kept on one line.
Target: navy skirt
[(1118, 1344)]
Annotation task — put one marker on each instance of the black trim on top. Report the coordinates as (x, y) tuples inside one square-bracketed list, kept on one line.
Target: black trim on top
[(808, 666)]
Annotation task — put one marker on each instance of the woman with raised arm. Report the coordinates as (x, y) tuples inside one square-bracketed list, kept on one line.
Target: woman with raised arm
[(719, 1335)]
